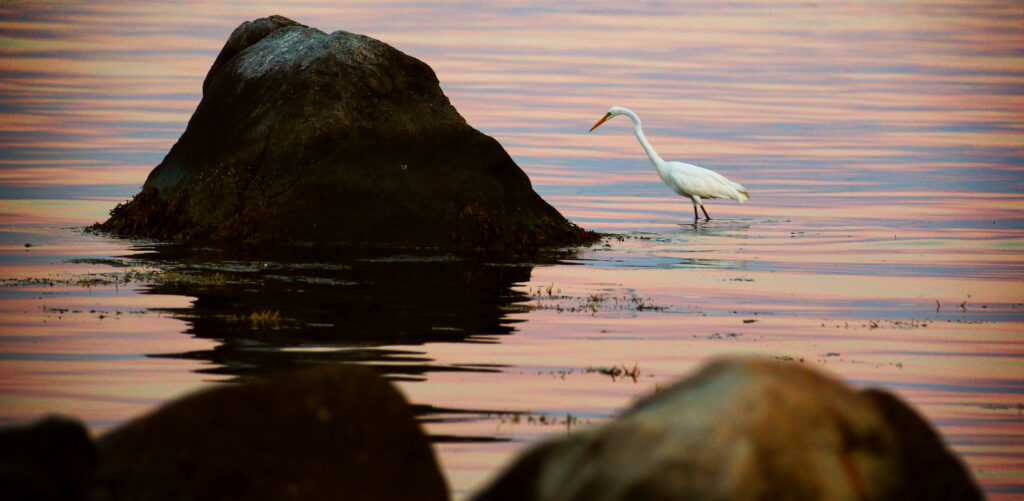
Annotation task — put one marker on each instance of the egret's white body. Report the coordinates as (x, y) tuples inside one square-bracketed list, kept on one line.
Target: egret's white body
[(688, 180)]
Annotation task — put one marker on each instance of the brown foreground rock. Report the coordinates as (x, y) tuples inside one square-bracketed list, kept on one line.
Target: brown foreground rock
[(337, 433), (50, 460), (746, 429), (307, 138)]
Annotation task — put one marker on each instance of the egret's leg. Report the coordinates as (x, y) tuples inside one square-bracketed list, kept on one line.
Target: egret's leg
[(695, 215), (705, 212)]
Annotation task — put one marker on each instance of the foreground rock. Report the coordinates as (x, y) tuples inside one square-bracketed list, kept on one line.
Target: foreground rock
[(740, 429), (304, 137), (746, 429), (340, 433), (337, 433), (52, 459)]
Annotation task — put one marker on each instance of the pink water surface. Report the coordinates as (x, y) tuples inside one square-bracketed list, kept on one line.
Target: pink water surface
[(882, 144)]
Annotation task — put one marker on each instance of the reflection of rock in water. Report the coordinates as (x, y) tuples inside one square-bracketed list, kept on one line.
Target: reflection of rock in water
[(271, 314)]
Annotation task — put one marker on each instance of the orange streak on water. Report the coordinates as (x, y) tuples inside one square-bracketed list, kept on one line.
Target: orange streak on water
[(78, 175), (52, 212)]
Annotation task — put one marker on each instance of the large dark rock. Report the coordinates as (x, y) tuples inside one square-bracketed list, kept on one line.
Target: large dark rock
[(336, 433), (304, 137), (746, 429), (48, 460)]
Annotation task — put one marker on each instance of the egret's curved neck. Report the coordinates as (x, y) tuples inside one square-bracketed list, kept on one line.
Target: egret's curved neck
[(653, 155)]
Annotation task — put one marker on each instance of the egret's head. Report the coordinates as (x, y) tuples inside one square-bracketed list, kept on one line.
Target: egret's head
[(614, 110)]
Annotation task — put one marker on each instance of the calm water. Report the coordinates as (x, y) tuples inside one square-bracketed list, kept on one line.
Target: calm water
[(883, 146)]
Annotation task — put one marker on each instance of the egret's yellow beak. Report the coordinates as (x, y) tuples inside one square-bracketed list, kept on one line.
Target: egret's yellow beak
[(601, 121)]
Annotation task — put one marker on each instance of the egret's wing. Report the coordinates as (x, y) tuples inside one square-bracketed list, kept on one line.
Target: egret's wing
[(688, 179)]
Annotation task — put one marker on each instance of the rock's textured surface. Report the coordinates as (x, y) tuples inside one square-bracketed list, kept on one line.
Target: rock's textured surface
[(304, 137), (746, 429)]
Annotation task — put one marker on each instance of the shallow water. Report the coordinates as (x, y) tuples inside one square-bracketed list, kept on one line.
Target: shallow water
[(882, 145)]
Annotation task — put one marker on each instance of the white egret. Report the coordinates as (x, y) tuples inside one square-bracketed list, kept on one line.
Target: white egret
[(688, 180)]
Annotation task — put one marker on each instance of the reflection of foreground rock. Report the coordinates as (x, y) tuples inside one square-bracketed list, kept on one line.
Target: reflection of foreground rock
[(746, 429), (739, 429), (304, 137)]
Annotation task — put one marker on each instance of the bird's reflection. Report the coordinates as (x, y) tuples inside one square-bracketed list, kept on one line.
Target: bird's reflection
[(680, 246), (717, 227)]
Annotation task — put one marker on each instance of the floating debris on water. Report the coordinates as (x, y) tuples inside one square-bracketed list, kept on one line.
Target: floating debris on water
[(719, 335), (617, 371), (539, 419), (593, 303)]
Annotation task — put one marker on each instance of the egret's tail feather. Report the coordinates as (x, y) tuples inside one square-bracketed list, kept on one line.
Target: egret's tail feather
[(739, 193)]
